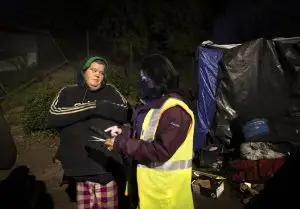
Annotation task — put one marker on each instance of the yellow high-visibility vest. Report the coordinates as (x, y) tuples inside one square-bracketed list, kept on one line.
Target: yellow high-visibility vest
[(166, 185)]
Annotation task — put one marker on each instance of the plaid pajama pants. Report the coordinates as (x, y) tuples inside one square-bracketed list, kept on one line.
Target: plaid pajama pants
[(91, 195)]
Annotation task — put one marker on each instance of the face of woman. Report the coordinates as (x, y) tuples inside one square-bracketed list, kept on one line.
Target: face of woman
[(94, 76)]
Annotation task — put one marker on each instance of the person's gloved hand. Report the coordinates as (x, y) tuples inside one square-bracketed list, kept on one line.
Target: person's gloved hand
[(114, 131)]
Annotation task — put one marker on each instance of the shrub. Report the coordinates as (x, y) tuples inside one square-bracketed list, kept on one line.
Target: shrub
[(125, 84), (36, 110), (37, 103)]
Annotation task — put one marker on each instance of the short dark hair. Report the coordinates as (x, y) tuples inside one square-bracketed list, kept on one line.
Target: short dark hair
[(161, 70)]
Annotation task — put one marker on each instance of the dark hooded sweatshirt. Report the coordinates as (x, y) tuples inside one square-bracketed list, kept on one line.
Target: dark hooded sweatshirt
[(72, 112)]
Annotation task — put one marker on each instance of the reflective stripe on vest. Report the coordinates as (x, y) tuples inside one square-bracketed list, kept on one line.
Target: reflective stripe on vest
[(149, 134), (169, 165)]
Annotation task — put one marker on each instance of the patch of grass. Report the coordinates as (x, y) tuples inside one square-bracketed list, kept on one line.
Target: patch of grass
[(14, 105)]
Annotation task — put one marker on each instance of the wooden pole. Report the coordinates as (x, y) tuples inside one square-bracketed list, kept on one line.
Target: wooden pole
[(87, 42), (131, 57)]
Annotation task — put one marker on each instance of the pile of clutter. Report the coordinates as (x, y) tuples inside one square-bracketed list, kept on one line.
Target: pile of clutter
[(207, 184), (260, 158), (208, 161), (257, 160)]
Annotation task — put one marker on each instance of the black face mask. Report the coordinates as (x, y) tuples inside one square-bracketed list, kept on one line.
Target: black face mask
[(148, 91)]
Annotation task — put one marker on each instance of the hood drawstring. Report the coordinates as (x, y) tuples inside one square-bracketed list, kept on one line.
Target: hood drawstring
[(84, 95)]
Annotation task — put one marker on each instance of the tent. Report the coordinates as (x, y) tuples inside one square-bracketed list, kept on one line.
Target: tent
[(241, 82)]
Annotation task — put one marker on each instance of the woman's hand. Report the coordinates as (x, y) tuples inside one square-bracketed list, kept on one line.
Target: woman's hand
[(114, 131), (109, 143)]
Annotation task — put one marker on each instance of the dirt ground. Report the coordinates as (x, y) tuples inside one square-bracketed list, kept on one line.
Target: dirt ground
[(37, 156)]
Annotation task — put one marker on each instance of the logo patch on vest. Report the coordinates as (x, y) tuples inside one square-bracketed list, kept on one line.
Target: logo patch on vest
[(175, 124)]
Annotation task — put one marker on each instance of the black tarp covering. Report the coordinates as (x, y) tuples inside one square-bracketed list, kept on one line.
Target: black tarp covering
[(289, 53), (259, 79)]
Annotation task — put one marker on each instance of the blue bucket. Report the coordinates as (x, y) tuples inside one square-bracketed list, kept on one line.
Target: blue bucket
[(256, 127)]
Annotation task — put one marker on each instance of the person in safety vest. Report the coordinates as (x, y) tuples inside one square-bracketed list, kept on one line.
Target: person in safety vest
[(162, 144)]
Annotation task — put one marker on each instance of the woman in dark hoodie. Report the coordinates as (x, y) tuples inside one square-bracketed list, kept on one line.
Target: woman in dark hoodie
[(77, 108)]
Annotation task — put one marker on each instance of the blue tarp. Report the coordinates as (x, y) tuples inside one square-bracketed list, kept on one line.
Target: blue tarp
[(208, 69)]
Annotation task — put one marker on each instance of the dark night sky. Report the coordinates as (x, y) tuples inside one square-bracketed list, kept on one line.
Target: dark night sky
[(243, 20), (238, 21)]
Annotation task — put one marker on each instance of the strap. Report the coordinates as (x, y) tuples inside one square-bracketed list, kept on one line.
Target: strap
[(169, 165)]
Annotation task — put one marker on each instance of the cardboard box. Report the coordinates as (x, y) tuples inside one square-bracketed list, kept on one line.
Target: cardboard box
[(208, 187)]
